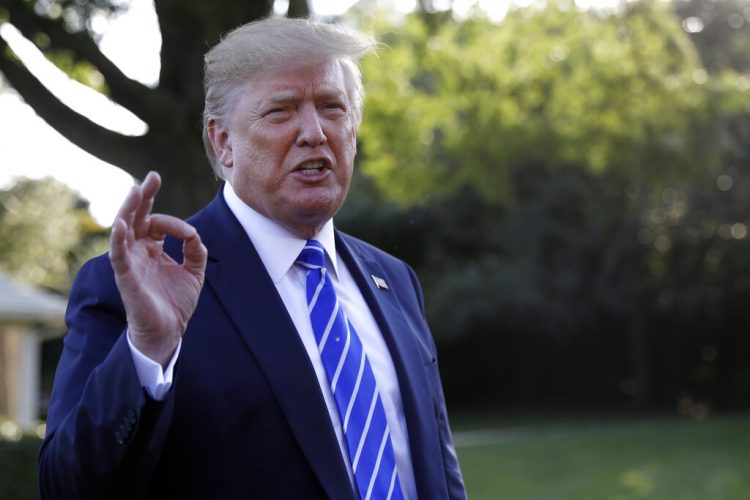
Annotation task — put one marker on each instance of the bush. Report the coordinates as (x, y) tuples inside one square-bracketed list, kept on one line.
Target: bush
[(18, 453)]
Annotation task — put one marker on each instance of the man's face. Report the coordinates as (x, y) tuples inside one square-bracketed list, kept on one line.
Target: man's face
[(288, 145)]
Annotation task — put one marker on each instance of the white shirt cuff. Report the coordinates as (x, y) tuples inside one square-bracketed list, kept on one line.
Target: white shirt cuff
[(153, 378)]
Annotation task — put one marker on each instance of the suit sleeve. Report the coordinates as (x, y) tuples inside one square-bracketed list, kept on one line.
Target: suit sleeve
[(104, 433), (454, 480)]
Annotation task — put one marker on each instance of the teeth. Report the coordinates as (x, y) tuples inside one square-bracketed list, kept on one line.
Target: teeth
[(311, 167)]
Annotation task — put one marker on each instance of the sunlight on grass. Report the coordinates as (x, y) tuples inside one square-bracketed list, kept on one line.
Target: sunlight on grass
[(640, 482), (665, 458)]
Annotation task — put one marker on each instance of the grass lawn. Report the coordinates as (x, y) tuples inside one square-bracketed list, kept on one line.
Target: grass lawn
[(657, 458), (554, 459)]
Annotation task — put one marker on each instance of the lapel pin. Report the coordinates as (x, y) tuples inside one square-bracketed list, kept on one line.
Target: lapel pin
[(379, 282)]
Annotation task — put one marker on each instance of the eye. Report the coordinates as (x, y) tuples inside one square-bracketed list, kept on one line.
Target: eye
[(277, 114), (334, 107)]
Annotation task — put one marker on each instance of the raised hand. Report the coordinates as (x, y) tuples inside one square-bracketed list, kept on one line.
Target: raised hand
[(159, 294)]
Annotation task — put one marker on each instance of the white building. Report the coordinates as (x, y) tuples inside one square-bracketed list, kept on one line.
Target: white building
[(28, 316)]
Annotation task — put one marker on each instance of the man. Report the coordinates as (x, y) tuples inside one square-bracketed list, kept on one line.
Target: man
[(253, 351)]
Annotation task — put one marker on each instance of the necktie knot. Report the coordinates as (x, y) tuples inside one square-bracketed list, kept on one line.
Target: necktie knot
[(313, 256)]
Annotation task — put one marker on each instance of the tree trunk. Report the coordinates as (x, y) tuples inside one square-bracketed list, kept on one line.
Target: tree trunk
[(188, 182), (172, 111)]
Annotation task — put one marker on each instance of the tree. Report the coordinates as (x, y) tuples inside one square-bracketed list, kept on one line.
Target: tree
[(46, 232), (553, 85), (720, 30), (172, 110)]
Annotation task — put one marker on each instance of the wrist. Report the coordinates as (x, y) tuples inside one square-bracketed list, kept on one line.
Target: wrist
[(159, 350)]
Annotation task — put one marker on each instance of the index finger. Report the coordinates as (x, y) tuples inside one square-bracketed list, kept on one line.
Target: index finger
[(161, 225)]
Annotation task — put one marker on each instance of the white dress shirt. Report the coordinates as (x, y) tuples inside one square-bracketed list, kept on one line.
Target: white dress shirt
[(278, 249)]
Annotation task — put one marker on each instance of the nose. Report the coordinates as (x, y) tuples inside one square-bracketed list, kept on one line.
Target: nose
[(310, 128)]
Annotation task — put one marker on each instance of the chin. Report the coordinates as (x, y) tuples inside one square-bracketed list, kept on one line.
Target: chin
[(310, 220), (323, 207)]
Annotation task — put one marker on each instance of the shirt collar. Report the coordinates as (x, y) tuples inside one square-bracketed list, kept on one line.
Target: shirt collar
[(277, 247)]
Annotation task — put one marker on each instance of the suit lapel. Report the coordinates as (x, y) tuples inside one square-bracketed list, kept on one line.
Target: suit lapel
[(237, 276)]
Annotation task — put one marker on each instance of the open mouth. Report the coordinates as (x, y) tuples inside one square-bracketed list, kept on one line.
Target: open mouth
[(311, 167)]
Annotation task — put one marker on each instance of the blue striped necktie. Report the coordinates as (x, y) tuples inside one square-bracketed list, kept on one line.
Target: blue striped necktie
[(352, 383)]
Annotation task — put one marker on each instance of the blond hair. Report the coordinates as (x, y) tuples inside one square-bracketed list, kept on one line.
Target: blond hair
[(275, 43)]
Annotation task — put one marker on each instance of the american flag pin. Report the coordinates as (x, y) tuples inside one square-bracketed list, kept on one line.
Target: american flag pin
[(379, 282)]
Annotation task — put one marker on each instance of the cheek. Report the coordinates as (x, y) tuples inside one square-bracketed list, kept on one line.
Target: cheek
[(250, 155), (349, 145)]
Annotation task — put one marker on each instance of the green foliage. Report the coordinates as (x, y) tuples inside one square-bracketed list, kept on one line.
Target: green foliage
[(79, 70), (462, 102), (553, 179), (45, 233), (587, 287), (76, 16), (77, 13), (720, 30)]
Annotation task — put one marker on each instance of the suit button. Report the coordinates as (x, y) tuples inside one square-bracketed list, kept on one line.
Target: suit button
[(119, 438), (132, 417), (128, 426)]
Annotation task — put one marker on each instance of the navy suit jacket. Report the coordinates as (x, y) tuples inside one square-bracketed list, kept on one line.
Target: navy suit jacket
[(245, 417)]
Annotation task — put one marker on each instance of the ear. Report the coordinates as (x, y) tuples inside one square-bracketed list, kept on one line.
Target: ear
[(218, 134)]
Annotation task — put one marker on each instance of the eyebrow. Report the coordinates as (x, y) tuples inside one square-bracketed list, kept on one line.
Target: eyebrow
[(324, 93), (283, 99), (331, 92)]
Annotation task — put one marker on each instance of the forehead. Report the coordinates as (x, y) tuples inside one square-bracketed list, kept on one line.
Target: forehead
[(325, 78)]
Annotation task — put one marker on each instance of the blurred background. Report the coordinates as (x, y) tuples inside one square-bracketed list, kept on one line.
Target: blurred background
[(570, 180)]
